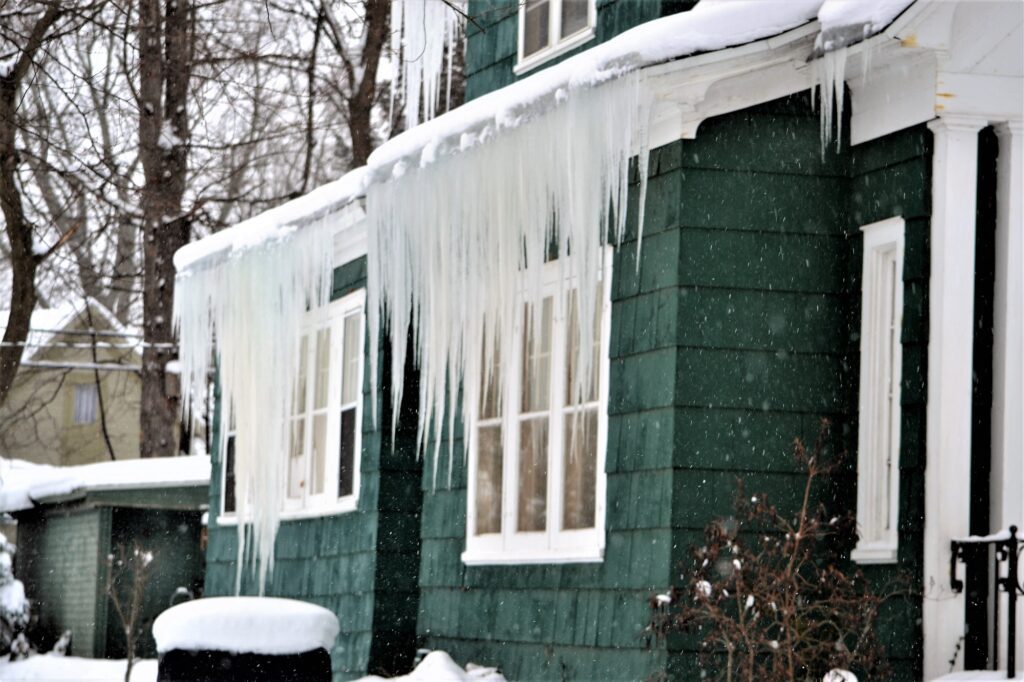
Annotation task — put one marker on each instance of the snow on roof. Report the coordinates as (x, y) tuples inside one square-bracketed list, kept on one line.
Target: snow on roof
[(46, 323), (259, 625), (711, 25), (276, 223), (22, 483)]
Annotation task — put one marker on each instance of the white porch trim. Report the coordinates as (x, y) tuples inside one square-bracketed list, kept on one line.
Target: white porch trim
[(950, 363), (1008, 349)]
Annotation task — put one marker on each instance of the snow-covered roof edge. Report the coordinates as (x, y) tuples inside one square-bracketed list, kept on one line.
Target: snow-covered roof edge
[(275, 223), (711, 26)]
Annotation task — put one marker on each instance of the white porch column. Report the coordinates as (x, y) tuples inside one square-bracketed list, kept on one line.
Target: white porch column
[(1008, 351), (950, 344)]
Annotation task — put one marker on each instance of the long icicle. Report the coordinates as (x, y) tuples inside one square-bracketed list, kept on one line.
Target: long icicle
[(453, 240)]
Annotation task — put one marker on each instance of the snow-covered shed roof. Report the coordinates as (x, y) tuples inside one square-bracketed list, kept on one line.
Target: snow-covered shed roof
[(25, 484), (47, 323)]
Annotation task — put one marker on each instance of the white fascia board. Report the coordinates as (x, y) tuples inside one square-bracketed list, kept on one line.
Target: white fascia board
[(350, 235), (688, 91)]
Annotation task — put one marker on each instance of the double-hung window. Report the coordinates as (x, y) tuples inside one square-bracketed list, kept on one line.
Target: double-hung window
[(324, 425), (548, 28), (878, 439), (536, 465)]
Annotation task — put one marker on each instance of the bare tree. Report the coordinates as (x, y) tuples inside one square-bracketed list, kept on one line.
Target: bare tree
[(24, 256), (127, 577)]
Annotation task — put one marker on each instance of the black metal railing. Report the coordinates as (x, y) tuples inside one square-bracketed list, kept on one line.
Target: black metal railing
[(976, 553)]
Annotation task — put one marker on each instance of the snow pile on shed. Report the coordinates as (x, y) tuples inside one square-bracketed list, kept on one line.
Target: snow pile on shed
[(24, 484)]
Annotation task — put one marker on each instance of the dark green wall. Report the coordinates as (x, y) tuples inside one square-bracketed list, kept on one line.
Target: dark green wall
[(61, 559), (491, 48), (361, 565), (173, 539), (737, 336)]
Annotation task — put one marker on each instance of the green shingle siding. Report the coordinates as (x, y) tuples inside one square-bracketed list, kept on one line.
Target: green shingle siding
[(737, 335)]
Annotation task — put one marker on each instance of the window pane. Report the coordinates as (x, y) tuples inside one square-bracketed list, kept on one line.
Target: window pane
[(351, 357), (574, 16), (489, 389), (533, 475), (323, 358), (535, 26), (347, 452), (580, 485), (229, 475), (488, 480), (296, 473), (299, 399), (86, 400), (590, 388), (537, 358), (319, 453)]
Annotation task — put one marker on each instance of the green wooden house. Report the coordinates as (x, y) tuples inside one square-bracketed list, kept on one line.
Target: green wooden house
[(72, 520), (873, 279)]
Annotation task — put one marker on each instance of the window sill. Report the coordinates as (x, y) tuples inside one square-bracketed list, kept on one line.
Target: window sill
[(298, 514), (874, 554), (515, 558), (549, 53)]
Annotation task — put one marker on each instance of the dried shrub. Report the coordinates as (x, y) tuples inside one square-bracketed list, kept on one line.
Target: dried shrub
[(771, 597)]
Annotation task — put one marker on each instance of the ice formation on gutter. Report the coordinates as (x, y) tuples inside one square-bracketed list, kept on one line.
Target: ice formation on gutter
[(456, 248), (845, 23), (240, 297), (424, 32)]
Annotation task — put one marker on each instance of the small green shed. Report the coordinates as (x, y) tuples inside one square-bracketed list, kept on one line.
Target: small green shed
[(71, 519)]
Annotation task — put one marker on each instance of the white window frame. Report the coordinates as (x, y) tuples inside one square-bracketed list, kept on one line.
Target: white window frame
[(553, 545), (879, 412), (325, 504), (556, 46)]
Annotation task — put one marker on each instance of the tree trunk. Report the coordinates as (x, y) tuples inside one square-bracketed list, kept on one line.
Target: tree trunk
[(165, 64), (360, 104), (24, 260)]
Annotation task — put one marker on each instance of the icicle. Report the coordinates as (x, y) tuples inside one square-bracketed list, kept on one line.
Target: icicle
[(421, 31), (249, 307), (456, 247), (831, 83)]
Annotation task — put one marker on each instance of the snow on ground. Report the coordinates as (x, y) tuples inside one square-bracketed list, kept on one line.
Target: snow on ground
[(61, 668), (438, 666), (262, 625), (22, 483)]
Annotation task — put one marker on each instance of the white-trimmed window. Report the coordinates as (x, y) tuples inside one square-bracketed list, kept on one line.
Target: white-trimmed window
[(548, 28), (881, 361), (324, 427), (86, 406), (536, 488)]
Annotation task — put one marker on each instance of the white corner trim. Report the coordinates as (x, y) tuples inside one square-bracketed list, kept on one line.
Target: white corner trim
[(950, 353)]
